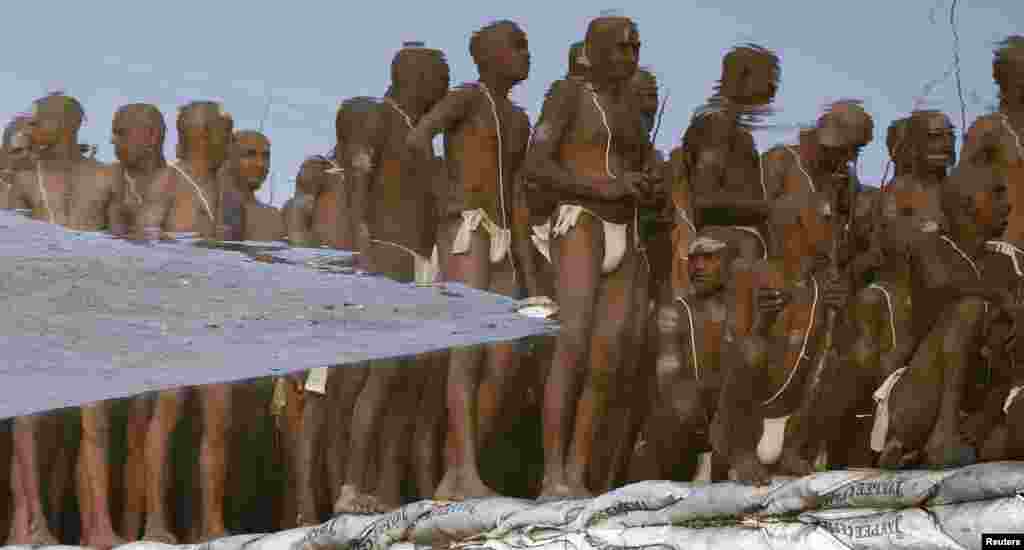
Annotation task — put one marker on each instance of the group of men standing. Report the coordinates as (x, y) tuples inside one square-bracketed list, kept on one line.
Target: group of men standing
[(762, 310)]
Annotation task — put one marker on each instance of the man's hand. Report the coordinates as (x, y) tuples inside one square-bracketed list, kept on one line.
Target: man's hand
[(769, 303)]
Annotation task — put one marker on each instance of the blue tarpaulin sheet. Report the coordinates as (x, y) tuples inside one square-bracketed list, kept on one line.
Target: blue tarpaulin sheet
[(87, 317)]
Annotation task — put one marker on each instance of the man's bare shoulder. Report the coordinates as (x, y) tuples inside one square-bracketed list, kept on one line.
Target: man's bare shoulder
[(564, 90), (986, 124)]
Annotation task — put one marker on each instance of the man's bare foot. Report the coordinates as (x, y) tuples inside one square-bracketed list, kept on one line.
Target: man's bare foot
[(750, 471), (554, 490), (39, 535), (207, 536), (352, 501), (159, 534), (103, 542), (461, 487), (792, 463), (895, 456)]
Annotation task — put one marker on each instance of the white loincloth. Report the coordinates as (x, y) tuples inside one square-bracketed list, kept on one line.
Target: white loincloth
[(773, 436), (880, 428), (1011, 398), (615, 235), (501, 239), (316, 381)]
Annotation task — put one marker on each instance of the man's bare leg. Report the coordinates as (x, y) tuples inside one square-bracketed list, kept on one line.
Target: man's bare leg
[(134, 505), (314, 415), (394, 450), (213, 457), (924, 407), (367, 420), (427, 461), (349, 384), (613, 316), (578, 256), (465, 381), (26, 477), (166, 413), (94, 480), (628, 396)]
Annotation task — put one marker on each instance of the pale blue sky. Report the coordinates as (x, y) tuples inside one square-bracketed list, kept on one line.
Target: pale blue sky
[(310, 55)]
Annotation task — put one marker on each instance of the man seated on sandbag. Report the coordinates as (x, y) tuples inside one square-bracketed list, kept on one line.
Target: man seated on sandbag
[(918, 416), (880, 317), (693, 331), (996, 424), (771, 365)]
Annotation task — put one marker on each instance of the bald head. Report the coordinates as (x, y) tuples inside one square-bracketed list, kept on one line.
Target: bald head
[(845, 124), (501, 49), (612, 45), (204, 125), (251, 155), (1008, 67), (143, 115), (750, 75)]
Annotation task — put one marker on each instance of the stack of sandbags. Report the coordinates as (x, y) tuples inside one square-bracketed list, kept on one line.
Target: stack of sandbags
[(860, 509)]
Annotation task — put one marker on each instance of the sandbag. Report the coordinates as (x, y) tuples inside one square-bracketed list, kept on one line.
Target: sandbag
[(556, 515), (459, 521), (236, 542), (670, 503), (910, 529), (283, 540), (866, 488), (336, 533), (965, 523), (671, 537), (985, 481), (392, 527)]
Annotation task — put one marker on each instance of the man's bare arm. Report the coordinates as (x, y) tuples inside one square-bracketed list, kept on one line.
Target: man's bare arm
[(448, 112), (360, 157), (981, 144), (115, 214), (541, 165), (19, 198)]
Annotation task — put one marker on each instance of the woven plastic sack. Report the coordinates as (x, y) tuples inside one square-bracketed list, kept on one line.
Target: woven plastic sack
[(669, 503), (459, 521)]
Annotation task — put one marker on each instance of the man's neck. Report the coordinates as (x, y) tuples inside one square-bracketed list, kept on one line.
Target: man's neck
[(199, 167), (145, 167), (66, 150), (497, 86), (409, 103)]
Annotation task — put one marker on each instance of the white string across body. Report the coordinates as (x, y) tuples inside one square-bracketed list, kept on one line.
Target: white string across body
[(198, 190), (608, 168), (803, 347), (501, 173)]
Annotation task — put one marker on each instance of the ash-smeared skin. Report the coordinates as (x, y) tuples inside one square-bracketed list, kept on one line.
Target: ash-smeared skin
[(609, 464), (246, 172), (997, 139), (392, 200), (137, 134), (173, 205), (570, 122), (764, 356), (64, 187), (948, 299), (477, 390), (16, 156), (687, 393)]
